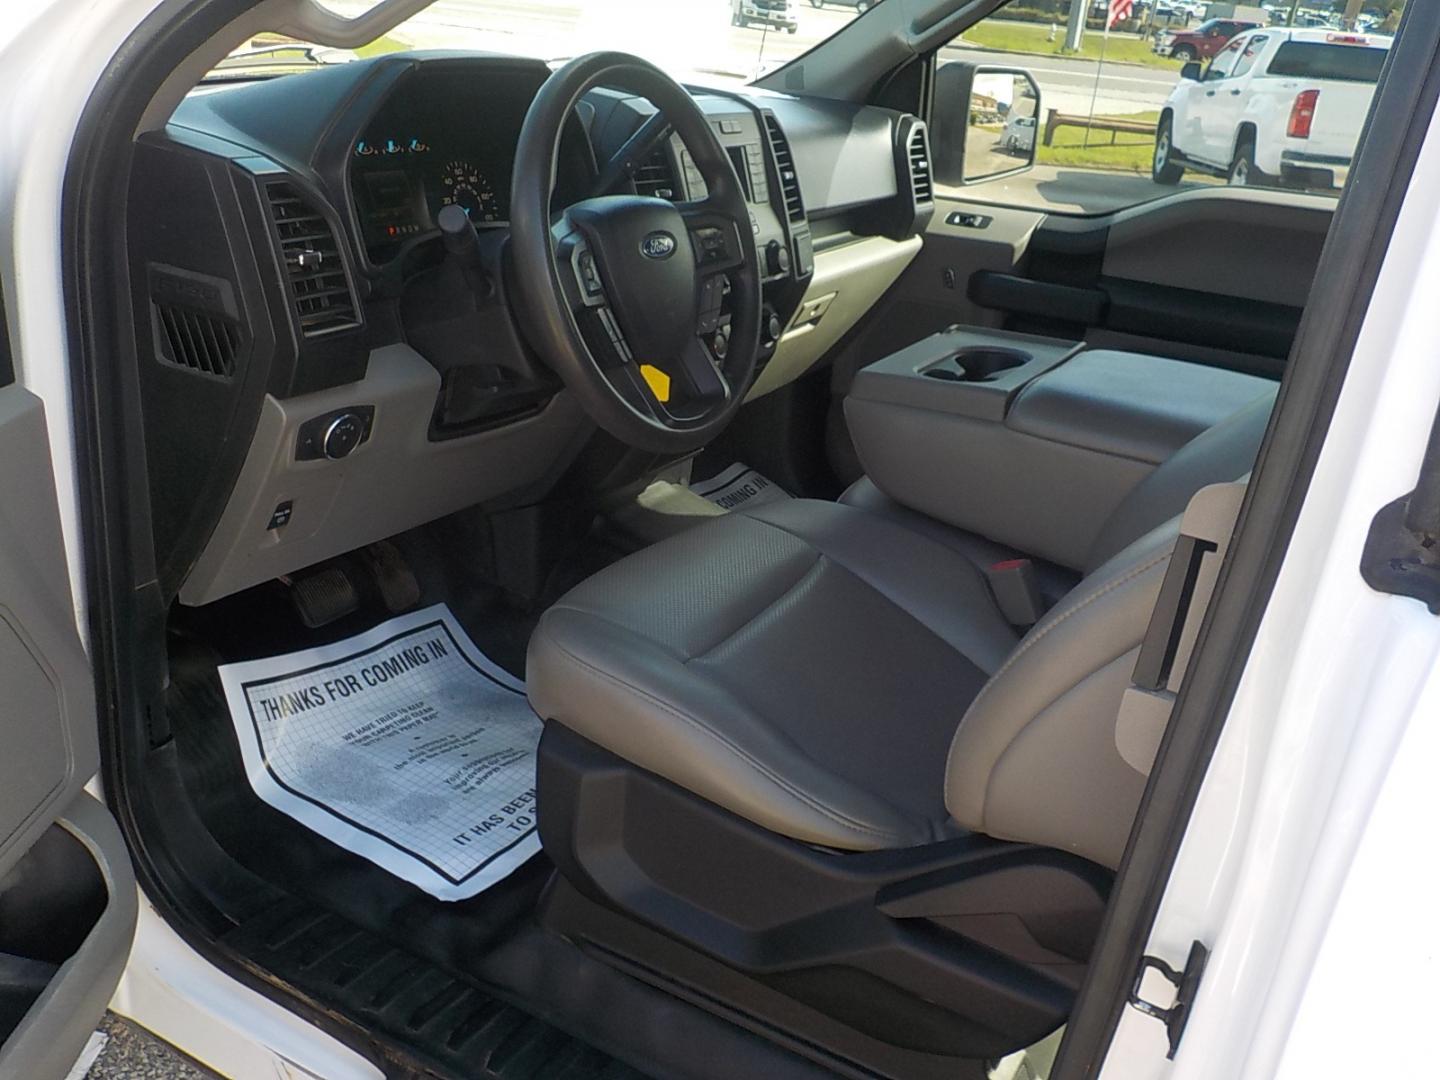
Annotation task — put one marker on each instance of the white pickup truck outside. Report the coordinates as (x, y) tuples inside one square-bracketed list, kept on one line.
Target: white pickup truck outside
[(1274, 106)]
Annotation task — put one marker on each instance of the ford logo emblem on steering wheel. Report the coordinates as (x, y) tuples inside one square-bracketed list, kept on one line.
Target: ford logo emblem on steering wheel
[(657, 245)]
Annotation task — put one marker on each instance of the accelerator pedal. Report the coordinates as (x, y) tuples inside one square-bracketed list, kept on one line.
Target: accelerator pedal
[(399, 589)]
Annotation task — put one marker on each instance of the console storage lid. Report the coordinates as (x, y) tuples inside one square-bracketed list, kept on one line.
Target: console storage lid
[(1036, 455), (1131, 405)]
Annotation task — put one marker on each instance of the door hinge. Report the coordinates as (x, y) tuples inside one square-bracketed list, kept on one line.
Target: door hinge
[(1186, 983)]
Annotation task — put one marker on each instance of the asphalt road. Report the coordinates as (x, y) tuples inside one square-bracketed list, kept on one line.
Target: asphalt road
[(132, 1053)]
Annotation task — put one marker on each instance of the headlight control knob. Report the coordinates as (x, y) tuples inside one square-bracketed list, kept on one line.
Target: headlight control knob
[(343, 436)]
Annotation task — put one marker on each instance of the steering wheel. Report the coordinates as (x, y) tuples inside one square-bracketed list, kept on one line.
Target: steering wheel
[(615, 289)]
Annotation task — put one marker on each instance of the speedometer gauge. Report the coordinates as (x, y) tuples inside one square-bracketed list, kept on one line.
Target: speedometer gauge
[(463, 185)]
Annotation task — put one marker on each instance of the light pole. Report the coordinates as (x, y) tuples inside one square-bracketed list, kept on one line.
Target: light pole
[(1075, 29)]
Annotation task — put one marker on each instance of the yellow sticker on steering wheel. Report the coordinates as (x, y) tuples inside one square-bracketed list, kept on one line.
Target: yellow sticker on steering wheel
[(658, 382)]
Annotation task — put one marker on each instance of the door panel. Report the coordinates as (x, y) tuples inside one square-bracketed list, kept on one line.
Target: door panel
[(1214, 276), (65, 876)]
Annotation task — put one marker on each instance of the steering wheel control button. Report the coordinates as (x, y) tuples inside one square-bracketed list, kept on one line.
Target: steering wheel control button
[(612, 328), (712, 294), (588, 276), (334, 435), (711, 245), (280, 516)]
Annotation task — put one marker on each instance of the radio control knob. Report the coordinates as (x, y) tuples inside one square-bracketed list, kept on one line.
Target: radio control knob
[(342, 436)]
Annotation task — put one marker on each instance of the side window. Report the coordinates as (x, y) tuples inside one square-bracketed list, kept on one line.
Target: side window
[(1099, 105), (1254, 46), (1223, 66)]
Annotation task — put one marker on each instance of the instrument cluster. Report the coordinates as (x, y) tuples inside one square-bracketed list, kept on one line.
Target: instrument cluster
[(445, 137)]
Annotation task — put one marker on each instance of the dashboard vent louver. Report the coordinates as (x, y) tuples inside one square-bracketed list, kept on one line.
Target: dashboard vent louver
[(919, 154), (785, 165), (656, 176), (324, 301), (197, 340)]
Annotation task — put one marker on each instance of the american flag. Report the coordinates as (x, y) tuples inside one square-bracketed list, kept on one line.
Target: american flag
[(1120, 10)]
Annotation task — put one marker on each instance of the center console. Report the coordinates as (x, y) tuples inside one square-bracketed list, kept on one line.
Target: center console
[(1030, 441)]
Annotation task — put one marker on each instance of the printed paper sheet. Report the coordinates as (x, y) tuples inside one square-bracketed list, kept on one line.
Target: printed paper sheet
[(405, 745)]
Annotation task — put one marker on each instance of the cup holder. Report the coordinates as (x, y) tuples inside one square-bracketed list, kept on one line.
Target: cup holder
[(977, 363)]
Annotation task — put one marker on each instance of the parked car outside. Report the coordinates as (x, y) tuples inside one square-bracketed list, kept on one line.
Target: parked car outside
[(778, 13), (1019, 135), (1276, 106), (1203, 42)]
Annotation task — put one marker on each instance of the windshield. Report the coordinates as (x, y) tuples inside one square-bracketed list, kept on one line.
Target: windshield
[(708, 40)]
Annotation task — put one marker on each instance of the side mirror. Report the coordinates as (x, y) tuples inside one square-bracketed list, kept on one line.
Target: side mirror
[(1193, 71), (986, 122)]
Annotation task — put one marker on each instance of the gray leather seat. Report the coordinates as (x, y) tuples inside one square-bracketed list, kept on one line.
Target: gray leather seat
[(842, 676)]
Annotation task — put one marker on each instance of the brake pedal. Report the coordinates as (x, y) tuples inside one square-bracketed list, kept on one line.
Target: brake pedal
[(399, 589), (325, 596)]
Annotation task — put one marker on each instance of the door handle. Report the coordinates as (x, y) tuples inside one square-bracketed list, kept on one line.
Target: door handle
[(1234, 93), (1209, 93)]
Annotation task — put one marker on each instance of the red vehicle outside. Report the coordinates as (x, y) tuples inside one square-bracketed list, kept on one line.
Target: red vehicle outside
[(1204, 41)]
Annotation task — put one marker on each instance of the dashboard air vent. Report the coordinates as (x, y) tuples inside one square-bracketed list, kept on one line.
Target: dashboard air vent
[(919, 154), (656, 176), (197, 339), (324, 301), (785, 164)]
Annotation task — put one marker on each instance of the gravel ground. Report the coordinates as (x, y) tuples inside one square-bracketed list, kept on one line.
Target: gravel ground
[(132, 1053)]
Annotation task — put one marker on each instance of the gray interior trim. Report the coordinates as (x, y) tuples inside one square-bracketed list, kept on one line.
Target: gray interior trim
[(1190, 241), (50, 708), (849, 279), (51, 1035), (394, 481)]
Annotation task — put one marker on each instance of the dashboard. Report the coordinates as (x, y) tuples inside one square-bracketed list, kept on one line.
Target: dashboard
[(447, 136), (316, 360)]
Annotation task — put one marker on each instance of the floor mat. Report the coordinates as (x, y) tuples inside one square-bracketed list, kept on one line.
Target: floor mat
[(405, 745), (737, 486), (456, 1022)]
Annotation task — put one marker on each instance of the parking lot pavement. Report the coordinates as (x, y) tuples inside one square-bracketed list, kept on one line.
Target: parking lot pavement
[(132, 1053)]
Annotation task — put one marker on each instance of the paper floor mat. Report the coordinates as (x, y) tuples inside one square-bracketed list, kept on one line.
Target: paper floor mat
[(738, 486), (405, 744)]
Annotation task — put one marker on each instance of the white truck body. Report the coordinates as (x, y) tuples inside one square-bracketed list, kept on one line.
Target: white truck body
[(1297, 98)]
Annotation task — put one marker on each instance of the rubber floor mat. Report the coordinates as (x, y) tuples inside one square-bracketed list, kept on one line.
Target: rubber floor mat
[(446, 1022)]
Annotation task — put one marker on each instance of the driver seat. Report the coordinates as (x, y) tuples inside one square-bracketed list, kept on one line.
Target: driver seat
[(838, 676), (797, 763)]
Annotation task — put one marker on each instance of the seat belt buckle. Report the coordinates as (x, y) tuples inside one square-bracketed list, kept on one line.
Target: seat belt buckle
[(1016, 591)]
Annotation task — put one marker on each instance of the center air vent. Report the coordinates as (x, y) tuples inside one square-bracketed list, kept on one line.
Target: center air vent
[(655, 176), (785, 164), (919, 155), (320, 286)]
